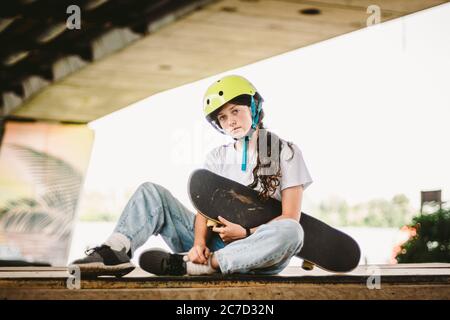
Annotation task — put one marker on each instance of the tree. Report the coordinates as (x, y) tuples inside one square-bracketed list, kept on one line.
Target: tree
[(431, 242)]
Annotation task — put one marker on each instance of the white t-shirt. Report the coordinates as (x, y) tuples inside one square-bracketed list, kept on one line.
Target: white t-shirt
[(226, 161)]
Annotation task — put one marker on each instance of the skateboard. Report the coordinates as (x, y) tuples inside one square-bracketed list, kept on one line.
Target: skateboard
[(324, 246)]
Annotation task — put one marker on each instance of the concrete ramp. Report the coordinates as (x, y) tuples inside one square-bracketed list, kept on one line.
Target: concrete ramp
[(386, 282)]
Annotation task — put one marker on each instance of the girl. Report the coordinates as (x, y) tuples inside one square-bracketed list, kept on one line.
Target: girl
[(234, 107)]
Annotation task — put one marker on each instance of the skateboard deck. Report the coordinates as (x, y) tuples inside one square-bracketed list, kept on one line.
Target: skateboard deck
[(213, 195)]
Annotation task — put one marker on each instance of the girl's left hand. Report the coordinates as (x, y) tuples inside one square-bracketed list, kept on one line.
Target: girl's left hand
[(230, 231)]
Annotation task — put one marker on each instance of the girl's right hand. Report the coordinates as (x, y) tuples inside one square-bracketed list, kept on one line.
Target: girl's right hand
[(199, 253)]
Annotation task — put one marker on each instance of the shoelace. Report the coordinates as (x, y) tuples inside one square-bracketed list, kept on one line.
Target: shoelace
[(90, 251)]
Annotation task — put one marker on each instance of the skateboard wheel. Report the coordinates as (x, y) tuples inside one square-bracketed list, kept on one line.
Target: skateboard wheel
[(308, 266), (211, 223)]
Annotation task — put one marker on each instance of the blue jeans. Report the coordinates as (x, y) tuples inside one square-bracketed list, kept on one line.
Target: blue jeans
[(153, 210)]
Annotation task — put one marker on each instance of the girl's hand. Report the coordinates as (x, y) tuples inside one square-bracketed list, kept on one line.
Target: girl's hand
[(230, 231), (199, 253)]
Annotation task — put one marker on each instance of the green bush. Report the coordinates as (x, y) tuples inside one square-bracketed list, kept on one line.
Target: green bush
[(431, 242)]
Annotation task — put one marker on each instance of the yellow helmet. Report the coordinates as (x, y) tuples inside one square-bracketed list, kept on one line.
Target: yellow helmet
[(225, 90)]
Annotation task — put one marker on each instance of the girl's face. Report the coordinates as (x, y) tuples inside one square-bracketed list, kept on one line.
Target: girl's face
[(235, 119)]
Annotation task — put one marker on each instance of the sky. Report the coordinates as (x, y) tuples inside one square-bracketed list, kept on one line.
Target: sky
[(369, 110)]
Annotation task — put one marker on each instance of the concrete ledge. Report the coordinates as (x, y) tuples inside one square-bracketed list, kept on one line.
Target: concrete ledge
[(396, 282)]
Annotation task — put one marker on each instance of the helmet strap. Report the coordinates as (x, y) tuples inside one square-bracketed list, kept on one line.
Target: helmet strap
[(255, 112), (244, 154), (255, 119)]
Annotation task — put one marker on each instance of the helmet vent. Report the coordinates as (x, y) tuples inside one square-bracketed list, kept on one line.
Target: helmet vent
[(310, 11), (207, 101), (220, 93), (228, 9)]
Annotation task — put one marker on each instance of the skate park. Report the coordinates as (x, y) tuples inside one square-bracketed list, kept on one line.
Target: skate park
[(66, 78)]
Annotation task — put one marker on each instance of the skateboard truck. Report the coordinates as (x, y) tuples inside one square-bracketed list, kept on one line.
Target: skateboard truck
[(308, 266)]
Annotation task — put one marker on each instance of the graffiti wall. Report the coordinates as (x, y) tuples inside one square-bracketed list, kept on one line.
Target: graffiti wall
[(42, 167)]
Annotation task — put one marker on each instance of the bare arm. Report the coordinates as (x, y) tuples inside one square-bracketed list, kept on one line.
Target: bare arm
[(199, 252), (200, 230)]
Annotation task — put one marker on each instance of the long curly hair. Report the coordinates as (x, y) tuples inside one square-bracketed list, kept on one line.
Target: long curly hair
[(268, 180)]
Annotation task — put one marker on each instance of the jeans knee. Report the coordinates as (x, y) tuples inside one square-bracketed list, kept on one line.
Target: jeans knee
[(149, 195), (150, 187), (290, 234), (146, 186)]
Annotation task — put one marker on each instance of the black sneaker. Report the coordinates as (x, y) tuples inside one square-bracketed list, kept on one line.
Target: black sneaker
[(161, 262), (103, 261)]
